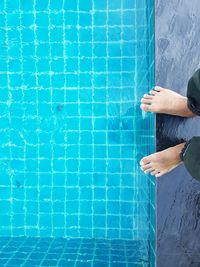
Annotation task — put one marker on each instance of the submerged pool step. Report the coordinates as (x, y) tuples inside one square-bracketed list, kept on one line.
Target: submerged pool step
[(28, 251)]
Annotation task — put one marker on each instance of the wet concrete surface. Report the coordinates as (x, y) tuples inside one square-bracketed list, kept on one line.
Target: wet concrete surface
[(178, 194)]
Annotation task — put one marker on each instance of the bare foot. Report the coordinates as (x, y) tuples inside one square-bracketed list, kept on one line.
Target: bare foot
[(162, 162), (161, 100)]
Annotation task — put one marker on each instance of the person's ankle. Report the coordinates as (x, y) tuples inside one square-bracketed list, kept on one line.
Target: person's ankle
[(177, 150), (185, 109)]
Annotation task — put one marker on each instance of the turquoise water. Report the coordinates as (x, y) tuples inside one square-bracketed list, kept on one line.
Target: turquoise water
[(71, 77)]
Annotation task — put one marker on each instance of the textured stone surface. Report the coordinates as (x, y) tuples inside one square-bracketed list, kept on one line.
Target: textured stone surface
[(178, 194)]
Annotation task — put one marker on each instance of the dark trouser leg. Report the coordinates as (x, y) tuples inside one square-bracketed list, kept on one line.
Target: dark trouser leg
[(190, 155), (193, 93)]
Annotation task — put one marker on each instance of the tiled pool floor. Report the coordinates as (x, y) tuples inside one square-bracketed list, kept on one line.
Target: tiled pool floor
[(22, 251)]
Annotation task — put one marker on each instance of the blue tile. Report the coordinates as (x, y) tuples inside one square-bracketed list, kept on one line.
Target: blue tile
[(73, 73)]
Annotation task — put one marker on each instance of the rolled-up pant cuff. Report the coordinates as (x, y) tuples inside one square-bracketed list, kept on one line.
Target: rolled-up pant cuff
[(190, 155), (193, 93), (192, 107)]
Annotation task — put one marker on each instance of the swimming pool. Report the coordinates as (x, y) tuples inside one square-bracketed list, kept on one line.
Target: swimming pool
[(71, 77)]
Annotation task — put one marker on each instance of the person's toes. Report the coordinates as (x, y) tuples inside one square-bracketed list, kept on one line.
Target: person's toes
[(146, 166), (146, 101), (146, 96), (149, 170), (145, 107), (158, 88), (153, 92), (144, 161), (154, 172), (159, 174)]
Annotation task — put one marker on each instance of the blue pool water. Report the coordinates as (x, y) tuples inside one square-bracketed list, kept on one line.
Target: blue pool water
[(72, 252), (72, 73)]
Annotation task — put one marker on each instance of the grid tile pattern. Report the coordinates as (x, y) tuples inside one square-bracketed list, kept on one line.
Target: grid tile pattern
[(72, 252), (71, 77), (67, 147)]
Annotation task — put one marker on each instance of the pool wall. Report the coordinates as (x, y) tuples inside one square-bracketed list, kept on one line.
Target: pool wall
[(145, 132), (178, 199)]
